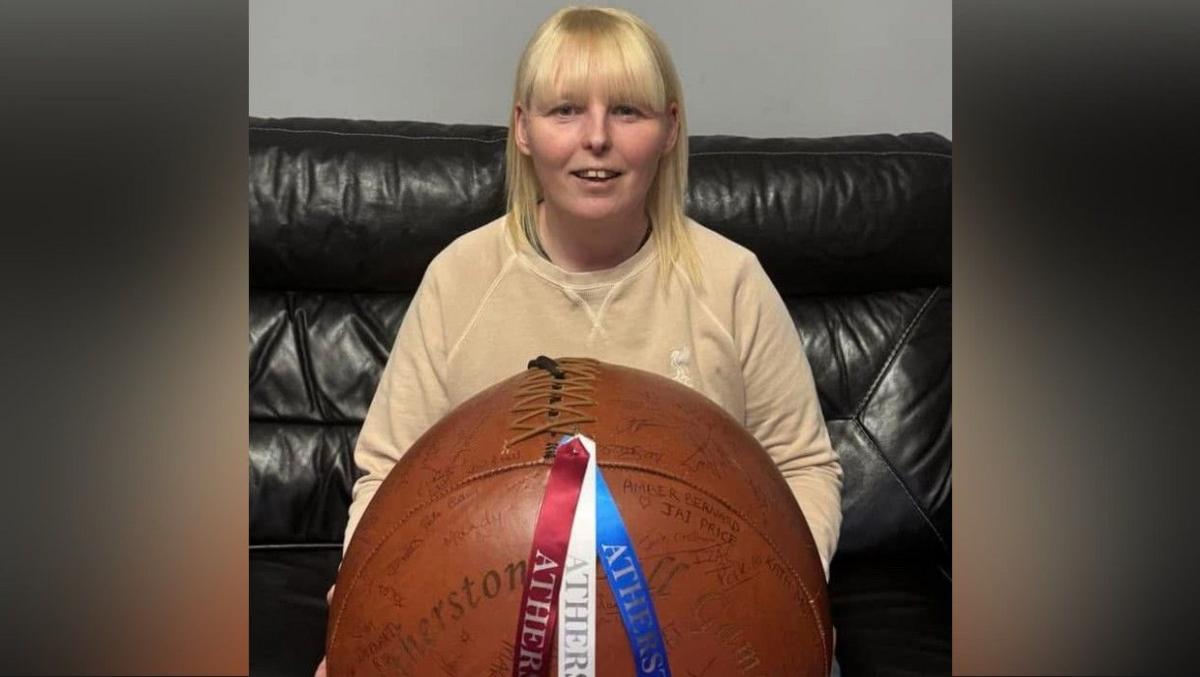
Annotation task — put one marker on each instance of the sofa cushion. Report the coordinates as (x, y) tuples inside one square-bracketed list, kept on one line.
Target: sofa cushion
[(288, 608), (892, 616)]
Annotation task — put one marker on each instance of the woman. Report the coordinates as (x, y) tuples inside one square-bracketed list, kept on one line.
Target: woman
[(596, 258)]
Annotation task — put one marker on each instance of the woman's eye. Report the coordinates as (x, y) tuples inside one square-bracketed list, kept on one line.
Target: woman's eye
[(625, 110), (565, 109)]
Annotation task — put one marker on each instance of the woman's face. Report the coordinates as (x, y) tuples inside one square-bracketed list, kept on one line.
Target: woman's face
[(595, 159)]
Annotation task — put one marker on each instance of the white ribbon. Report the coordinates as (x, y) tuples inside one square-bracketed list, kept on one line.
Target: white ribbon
[(577, 599)]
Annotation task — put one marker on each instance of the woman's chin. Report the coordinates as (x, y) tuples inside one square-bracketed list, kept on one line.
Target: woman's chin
[(595, 210)]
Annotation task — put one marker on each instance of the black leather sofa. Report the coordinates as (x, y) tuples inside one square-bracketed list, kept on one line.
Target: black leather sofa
[(854, 231)]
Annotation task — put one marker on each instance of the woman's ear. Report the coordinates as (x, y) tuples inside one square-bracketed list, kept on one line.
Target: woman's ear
[(673, 130), (519, 129)]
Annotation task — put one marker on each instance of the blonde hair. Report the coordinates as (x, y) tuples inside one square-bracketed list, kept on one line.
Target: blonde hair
[(583, 47)]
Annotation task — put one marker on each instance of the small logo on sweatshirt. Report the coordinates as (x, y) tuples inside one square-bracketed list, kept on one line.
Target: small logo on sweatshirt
[(680, 358)]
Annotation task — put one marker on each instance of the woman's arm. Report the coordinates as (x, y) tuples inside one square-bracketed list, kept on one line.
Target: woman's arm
[(411, 397), (782, 409)]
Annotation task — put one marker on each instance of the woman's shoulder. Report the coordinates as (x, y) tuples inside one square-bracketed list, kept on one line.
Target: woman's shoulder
[(475, 252), (722, 259), (736, 288), (457, 280)]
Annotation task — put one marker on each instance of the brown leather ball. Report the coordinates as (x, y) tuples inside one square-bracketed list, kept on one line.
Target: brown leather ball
[(432, 580)]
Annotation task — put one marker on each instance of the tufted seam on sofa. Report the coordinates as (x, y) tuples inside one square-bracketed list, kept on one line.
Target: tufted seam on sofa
[(304, 356), (831, 153), (379, 134), (331, 290), (903, 485), (839, 353), (266, 345), (913, 153), (311, 422), (294, 546), (894, 353)]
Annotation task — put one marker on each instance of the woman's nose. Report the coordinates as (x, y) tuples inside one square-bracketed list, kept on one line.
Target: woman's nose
[(595, 134)]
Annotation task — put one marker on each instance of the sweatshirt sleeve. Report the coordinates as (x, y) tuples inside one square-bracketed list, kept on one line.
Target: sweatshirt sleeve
[(782, 409), (410, 398)]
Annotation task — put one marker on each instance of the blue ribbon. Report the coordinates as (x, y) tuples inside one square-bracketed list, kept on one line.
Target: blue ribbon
[(629, 586)]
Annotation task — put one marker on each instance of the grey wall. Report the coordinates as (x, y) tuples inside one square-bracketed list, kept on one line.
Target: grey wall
[(753, 68)]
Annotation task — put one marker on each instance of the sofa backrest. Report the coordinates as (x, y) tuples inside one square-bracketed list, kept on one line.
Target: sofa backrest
[(854, 231)]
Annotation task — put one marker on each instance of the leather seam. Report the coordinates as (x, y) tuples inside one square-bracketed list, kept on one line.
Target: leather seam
[(266, 345), (294, 546), (379, 134), (832, 153), (701, 154), (330, 291), (894, 353), (843, 373), (903, 485), (296, 421), (298, 321)]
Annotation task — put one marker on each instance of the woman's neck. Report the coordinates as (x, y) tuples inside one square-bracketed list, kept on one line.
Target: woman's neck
[(584, 246)]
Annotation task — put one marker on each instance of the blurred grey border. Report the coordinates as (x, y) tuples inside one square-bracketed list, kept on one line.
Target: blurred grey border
[(124, 328)]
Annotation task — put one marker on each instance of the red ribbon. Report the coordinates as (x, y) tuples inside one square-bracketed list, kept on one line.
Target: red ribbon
[(544, 569)]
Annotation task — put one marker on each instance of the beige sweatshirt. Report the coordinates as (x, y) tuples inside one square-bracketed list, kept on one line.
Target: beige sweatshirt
[(486, 307)]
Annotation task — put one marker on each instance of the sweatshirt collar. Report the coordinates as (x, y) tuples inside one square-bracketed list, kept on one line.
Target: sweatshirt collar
[(593, 278)]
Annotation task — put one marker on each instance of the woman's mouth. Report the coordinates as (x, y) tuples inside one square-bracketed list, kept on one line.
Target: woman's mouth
[(596, 175)]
